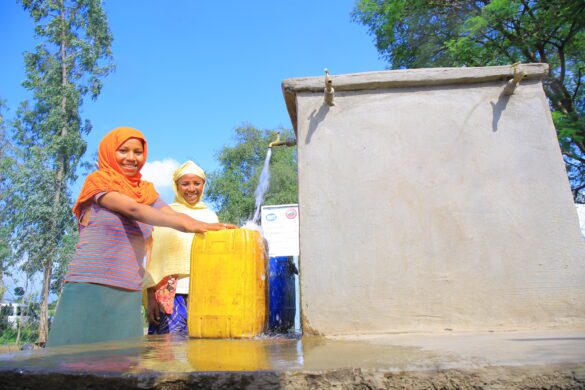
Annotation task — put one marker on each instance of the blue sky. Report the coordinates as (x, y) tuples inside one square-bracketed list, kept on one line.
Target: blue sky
[(189, 72)]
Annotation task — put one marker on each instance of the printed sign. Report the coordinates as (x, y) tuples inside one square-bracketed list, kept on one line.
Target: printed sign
[(280, 225)]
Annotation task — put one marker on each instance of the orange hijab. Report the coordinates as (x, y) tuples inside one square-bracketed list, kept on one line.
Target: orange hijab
[(110, 177)]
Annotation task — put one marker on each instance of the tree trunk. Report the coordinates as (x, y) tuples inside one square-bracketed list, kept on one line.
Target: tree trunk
[(59, 179), (48, 271), (19, 323), (2, 287), (44, 315)]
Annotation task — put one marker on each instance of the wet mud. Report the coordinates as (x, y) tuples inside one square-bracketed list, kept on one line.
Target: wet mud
[(505, 361)]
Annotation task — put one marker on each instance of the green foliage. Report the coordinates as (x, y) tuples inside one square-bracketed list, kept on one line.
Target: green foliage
[(18, 292), (68, 64), (6, 166), (29, 331), (22, 332), (232, 187), (421, 33), (28, 334)]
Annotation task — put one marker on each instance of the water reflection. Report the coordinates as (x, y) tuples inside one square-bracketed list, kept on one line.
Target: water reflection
[(179, 354)]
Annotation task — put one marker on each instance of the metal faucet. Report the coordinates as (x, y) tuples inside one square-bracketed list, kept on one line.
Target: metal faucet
[(279, 142)]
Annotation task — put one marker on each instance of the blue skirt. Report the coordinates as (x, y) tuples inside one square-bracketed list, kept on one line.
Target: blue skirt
[(173, 323)]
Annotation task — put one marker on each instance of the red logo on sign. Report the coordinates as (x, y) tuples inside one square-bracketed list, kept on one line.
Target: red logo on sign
[(291, 213)]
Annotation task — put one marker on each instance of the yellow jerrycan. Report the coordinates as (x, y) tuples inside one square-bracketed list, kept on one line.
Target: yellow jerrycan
[(227, 289)]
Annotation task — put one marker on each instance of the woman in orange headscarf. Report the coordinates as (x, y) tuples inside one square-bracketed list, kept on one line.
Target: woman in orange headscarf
[(116, 211)]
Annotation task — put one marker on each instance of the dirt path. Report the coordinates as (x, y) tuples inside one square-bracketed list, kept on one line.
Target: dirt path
[(5, 348)]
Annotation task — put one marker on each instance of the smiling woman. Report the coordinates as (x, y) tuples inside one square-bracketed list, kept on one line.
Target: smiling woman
[(168, 264), (116, 211), (190, 187), (130, 156)]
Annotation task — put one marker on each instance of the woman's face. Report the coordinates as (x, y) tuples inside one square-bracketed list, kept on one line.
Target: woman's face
[(190, 187), (130, 156)]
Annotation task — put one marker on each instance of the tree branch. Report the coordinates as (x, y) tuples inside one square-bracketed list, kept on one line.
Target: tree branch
[(577, 189), (575, 157), (578, 85), (562, 64), (572, 29)]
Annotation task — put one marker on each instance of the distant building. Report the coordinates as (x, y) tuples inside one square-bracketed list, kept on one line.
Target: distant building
[(15, 312)]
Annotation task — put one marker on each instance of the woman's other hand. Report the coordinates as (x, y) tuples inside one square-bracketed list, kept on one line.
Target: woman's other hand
[(190, 225), (154, 310)]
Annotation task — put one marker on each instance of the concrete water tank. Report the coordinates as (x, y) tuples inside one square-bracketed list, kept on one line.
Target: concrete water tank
[(430, 199)]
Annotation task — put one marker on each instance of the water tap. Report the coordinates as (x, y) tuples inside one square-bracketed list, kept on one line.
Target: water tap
[(279, 142)]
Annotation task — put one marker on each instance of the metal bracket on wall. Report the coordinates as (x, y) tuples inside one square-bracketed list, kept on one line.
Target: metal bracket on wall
[(329, 91), (513, 83)]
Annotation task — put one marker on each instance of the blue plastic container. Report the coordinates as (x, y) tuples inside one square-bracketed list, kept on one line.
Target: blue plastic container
[(281, 287)]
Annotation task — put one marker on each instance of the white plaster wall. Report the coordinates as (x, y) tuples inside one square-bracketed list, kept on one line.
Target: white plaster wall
[(423, 209)]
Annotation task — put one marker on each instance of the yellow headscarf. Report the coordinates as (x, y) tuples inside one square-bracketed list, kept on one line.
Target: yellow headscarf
[(171, 249), (188, 168)]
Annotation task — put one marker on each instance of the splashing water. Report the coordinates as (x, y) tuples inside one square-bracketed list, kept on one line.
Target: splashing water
[(262, 186), (253, 226)]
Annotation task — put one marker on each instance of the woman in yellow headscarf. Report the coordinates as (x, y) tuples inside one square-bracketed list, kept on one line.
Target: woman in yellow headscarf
[(168, 266)]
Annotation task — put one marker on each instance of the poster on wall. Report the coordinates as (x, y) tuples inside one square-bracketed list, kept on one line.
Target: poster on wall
[(280, 224)]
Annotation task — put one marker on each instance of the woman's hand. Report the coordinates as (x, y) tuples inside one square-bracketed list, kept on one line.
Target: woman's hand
[(166, 217), (220, 226), (154, 310), (191, 225)]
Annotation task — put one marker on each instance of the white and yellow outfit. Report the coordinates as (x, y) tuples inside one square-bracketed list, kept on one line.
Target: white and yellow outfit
[(171, 249)]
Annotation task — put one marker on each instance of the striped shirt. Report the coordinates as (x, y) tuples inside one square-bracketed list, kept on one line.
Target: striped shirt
[(111, 249)]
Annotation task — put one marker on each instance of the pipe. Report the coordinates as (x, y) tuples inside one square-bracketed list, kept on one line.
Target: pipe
[(279, 142)]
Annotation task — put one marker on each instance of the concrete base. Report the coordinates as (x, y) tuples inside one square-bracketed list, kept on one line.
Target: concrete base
[(511, 360)]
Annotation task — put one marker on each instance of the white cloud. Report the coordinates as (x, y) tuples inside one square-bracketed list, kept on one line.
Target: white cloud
[(160, 173)]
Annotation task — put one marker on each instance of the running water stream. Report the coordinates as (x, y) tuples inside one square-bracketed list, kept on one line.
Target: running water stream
[(263, 185)]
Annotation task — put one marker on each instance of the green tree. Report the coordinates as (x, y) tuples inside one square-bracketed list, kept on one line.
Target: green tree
[(421, 33), (6, 165), (232, 187), (68, 64)]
